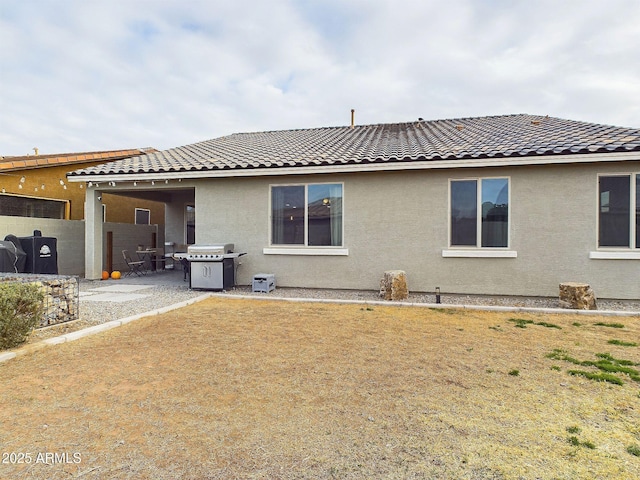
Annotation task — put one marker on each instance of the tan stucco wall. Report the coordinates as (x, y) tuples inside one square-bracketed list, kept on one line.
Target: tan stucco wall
[(119, 209), (399, 220)]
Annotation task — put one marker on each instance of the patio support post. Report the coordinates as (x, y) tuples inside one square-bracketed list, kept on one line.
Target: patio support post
[(93, 235)]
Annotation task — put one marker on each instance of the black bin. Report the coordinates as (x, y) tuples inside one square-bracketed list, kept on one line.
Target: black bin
[(42, 254)]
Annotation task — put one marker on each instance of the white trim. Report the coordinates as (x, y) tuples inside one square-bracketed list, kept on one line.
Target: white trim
[(602, 255), (633, 193), (135, 215), (479, 253), (366, 167), (305, 251)]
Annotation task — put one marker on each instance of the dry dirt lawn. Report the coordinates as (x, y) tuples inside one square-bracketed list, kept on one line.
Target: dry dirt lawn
[(265, 389)]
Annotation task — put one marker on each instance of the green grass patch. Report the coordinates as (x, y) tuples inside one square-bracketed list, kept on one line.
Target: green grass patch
[(523, 322), (610, 325), (607, 364), (514, 373), (573, 429), (549, 325), (575, 441), (634, 450), (558, 354), (621, 343), (609, 358), (598, 376), (576, 324)]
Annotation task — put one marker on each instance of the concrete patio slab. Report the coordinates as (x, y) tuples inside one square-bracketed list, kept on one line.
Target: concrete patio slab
[(85, 294), (114, 297), (123, 287)]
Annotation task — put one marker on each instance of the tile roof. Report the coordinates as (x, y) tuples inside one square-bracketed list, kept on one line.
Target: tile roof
[(48, 160), (503, 136)]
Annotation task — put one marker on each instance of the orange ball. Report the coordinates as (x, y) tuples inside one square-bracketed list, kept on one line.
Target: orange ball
[(105, 274), (115, 275)]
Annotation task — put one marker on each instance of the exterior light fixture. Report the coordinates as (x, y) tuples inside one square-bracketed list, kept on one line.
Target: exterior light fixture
[(61, 182), (135, 184), (22, 179), (437, 294)]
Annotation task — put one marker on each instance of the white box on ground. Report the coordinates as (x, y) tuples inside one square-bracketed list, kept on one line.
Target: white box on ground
[(264, 282)]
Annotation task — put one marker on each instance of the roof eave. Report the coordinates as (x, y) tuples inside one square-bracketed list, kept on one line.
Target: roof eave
[(365, 167)]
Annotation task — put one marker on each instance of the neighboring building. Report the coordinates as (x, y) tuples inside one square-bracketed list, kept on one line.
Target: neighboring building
[(510, 204), (36, 186)]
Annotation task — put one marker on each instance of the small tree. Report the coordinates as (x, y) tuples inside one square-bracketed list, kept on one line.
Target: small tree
[(20, 311)]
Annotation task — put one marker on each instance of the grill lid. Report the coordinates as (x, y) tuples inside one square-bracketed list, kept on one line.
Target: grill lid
[(218, 249)]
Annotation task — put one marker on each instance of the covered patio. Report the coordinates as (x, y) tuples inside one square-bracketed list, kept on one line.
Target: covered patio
[(178, 197)]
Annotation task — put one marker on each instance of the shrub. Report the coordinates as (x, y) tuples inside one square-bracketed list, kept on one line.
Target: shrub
[(20, 312)]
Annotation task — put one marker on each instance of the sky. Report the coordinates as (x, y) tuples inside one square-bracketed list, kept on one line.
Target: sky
[(91, 75)]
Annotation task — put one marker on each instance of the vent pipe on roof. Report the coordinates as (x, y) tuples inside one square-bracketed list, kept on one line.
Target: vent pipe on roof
[(353, 116), (35, 149)]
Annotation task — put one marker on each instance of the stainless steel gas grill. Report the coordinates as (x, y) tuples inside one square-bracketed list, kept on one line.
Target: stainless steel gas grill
[(212, 267)]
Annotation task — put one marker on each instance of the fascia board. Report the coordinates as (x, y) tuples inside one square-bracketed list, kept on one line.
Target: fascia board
[(366, 167)]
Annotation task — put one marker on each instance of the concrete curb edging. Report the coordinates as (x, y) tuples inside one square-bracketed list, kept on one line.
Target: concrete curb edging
[(495, 308), (85, 332)]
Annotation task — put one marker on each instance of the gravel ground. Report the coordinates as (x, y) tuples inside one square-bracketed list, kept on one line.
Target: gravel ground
[(445, 299)]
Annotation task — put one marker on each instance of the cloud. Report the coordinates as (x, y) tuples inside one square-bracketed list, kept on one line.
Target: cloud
[(90, 75)]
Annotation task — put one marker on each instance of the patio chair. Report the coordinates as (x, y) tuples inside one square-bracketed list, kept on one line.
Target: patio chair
[(135, 266)]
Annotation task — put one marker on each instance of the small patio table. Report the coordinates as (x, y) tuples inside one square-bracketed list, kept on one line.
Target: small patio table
[(146, 256)]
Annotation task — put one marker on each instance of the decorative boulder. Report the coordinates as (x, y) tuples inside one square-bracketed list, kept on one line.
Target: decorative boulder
[(577, 296), (393, 285)]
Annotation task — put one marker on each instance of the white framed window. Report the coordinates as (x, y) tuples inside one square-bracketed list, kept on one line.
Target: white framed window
[(479, 213), (619, 211), (306, 215), (479, 218), (35, 207), (143, 216)]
